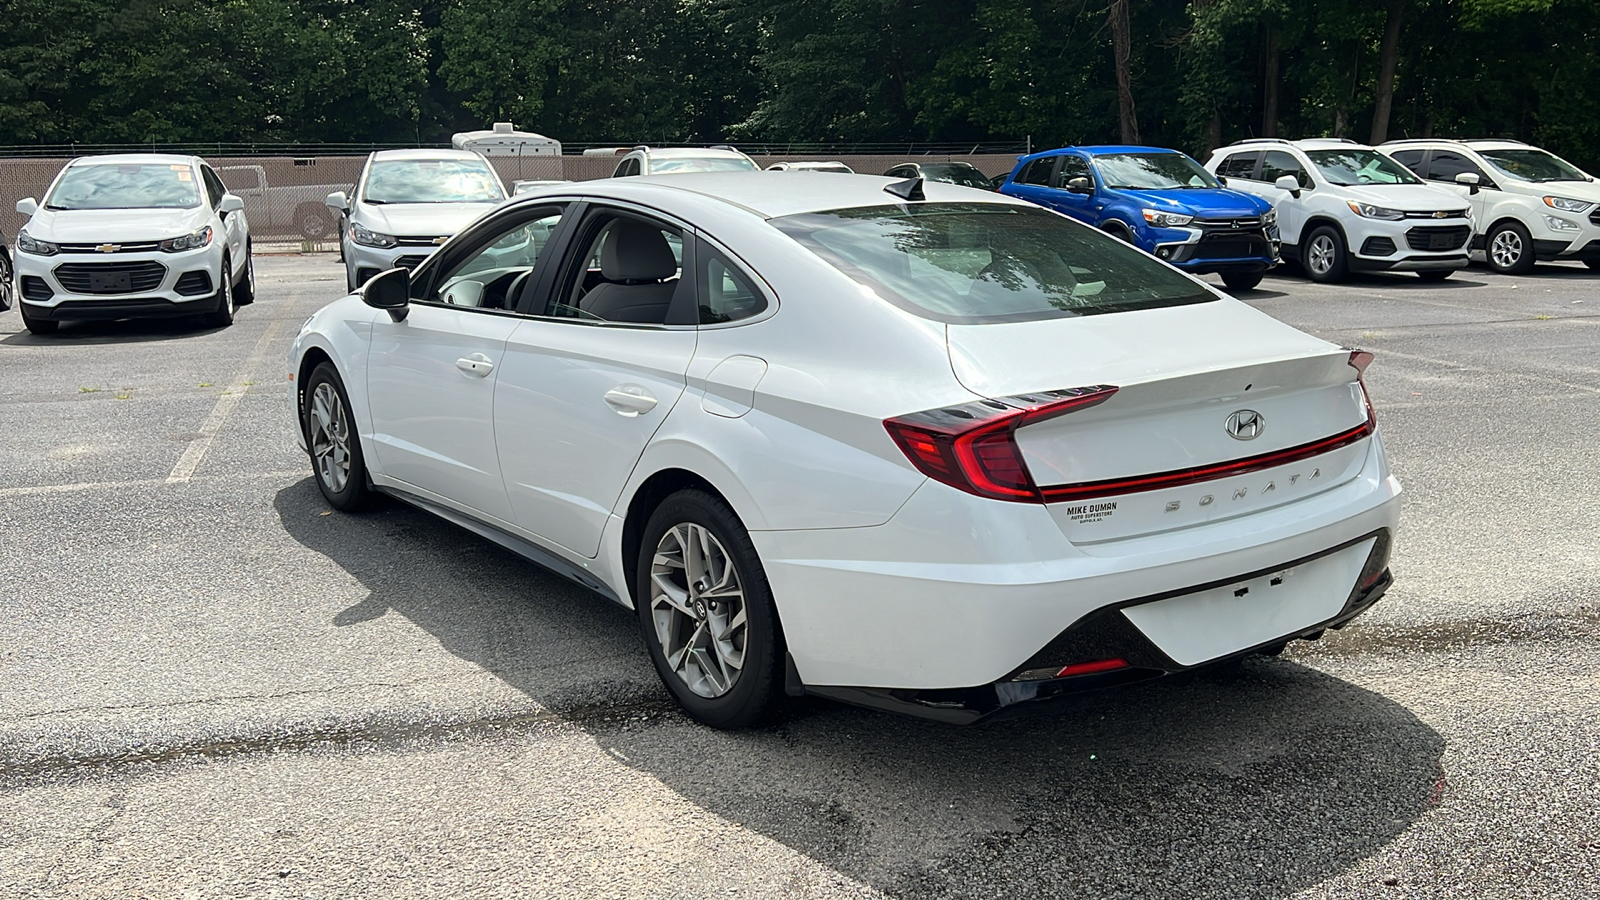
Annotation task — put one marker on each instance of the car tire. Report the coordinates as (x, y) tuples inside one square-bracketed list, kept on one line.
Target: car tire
[(7, 285), (244, 292), (313, 221), (37, 326), (337, 463), (1325, 258), (1509, 249), (698, 572), (1435, 274), (222, 316), (1118, 230), (1593, 263), (1242, 281)]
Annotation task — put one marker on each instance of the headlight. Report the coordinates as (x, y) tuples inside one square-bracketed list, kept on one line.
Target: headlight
[(1557, 223), (27, 244), (1270, 217), (371, 238), (1165, 219), (1567, 205), (188, 242), (1367, 210)]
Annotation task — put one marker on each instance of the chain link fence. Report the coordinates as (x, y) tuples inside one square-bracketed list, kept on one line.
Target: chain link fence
[(283, 194)]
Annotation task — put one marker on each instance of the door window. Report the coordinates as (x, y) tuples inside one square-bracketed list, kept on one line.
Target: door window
[(1447, 164), (214, 186), (726, 294), (1278, 164), (1411, 159), (1240, 165), (1072, 167), (501, 270), (1038, 171), (628, 269)]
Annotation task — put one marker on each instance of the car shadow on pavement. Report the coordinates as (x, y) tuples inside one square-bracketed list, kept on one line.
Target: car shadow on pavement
[(117, 331), (1256, 782)]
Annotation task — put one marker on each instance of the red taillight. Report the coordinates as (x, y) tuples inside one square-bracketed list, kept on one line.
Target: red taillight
[(1089, 668), (973, 446)]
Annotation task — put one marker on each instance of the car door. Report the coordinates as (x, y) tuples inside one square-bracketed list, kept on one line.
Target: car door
[(432, 376), (233, 224), (1033, 182), (1440, 170), (1083, 207), (586, 383)]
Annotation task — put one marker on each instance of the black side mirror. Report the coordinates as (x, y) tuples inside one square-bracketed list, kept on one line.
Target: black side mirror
[(389, 291), (1080, 185)]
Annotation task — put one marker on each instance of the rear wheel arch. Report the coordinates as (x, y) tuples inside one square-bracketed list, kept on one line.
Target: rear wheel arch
[(643, 503)]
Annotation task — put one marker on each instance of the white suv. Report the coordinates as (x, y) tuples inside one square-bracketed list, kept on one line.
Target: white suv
[(1345, 207), (668, 160), (1530, 204)]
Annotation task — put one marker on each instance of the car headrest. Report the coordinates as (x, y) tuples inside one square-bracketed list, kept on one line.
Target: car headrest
[(635, 251)]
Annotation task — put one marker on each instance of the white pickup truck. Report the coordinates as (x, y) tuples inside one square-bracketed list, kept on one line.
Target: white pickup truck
[(283, 210)]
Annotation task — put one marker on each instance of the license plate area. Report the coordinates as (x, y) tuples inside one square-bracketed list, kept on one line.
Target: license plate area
[(110, 282)]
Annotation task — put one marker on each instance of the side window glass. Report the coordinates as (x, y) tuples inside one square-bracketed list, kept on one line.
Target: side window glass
[(1278, 164), (495, 276), (1038, 171), (214, 188), (1411, 159), (1239, 165), (1447, 164), (725, 294), (1072, 167), (628, 270)]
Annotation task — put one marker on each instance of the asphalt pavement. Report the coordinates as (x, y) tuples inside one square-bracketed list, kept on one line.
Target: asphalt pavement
[(213, 686)]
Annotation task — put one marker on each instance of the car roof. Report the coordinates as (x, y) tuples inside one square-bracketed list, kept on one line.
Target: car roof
[(691, 153), (425, 154), (1106, 149), (770, 194), (112, 159), (1329, 144)]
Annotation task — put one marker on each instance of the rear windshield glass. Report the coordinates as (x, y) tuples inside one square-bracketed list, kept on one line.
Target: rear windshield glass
[(135, 186), (956, 173), (976, 262), (432, 181)]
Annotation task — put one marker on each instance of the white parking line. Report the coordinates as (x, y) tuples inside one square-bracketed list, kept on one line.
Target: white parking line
[(195, 453)]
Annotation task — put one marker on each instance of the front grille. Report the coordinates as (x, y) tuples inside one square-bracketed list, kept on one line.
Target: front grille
[(194, 284), (141, 247), (1448, 214), (110, 278), (410, 262), (1246, 223), (35, 288), (1231, 245), (1448, 238), (1377, 246), (419, 241)]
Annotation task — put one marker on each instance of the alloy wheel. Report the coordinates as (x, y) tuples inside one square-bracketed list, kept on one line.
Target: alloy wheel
[(1506, 250), (330, 437), (697, 604), (1320, 257), (6, 297)]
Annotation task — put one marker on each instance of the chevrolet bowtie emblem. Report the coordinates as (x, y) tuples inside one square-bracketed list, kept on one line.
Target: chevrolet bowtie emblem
[(1440, 214), (439, 240), (109, 248)]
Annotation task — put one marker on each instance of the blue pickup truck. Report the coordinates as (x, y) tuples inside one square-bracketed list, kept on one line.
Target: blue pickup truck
[(1159, 200)]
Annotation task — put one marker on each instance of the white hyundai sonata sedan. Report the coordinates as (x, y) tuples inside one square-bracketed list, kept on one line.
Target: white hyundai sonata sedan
[(912, 446), (133, 235)]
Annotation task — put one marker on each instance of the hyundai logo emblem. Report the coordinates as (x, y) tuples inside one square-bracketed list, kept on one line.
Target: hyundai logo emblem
[(1244, 425)]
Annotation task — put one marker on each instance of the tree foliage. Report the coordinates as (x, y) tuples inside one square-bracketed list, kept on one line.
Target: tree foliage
[(1200, 71)]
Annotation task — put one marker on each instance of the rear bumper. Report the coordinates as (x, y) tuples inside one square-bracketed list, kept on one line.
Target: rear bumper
[(1107, 634), (956, 592)]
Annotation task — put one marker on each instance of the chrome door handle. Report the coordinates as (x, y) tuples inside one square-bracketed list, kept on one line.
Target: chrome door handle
[(630, 400), (476, 364)]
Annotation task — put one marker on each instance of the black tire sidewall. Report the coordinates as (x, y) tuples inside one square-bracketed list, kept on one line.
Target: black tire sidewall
[(1242, 281), (754, 698), (355, 492), (244, 292)]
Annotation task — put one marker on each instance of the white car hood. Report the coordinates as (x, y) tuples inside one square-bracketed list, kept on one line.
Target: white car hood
[(94, 226), (418, 219), (1406, 197), (1574, 190)]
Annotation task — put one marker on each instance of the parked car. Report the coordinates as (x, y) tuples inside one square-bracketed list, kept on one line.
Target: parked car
[(407, 203), (900, 444), (133, 235), (965, 174), (1161, 201), (677, 160), (1529, 203), (282, 209), (532, 184), (1344, 207), (812, 166)]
